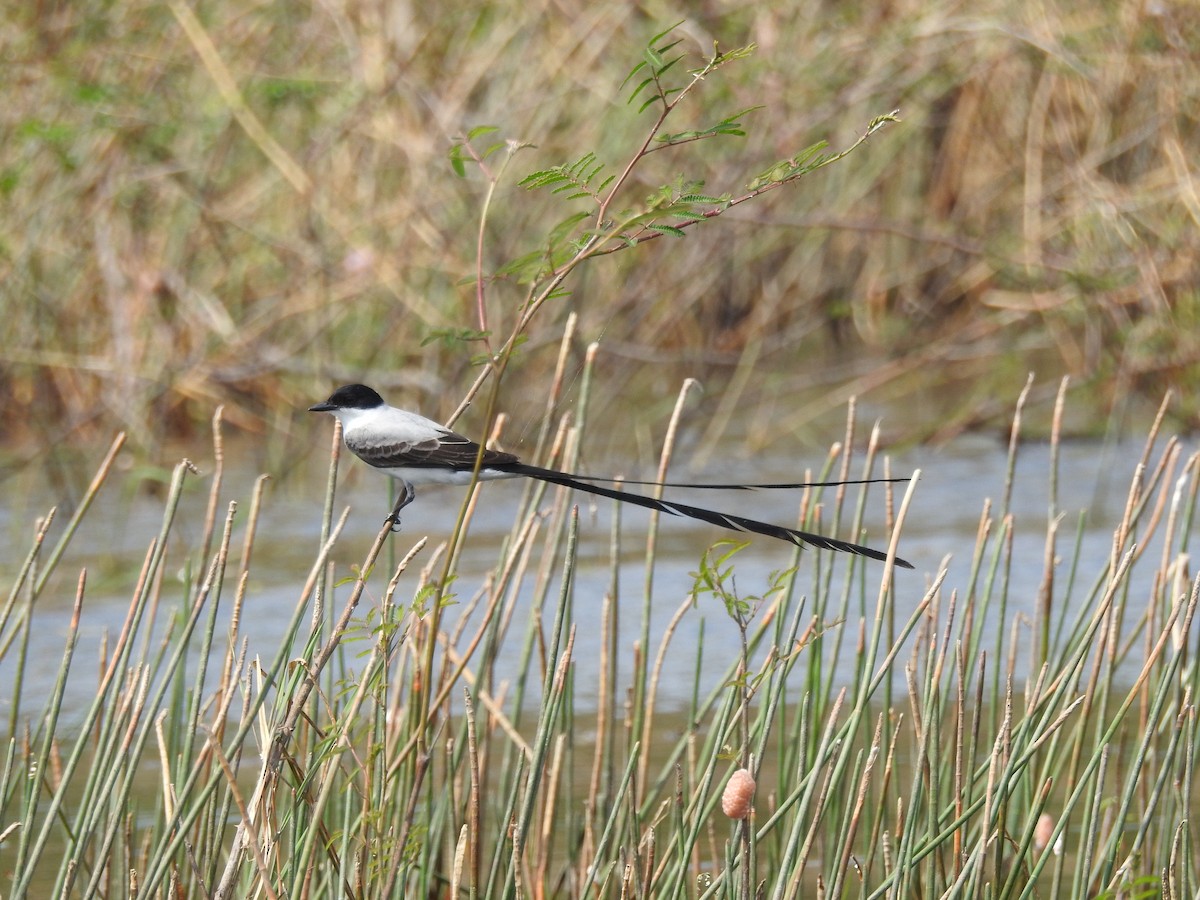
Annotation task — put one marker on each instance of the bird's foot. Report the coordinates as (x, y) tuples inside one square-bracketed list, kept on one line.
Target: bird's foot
[(407, 496)]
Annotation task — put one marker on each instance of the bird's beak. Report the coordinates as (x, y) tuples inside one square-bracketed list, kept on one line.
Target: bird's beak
[(322, 407)]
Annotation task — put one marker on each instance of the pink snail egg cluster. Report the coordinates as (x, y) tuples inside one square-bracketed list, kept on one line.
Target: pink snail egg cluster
[(739, 795)]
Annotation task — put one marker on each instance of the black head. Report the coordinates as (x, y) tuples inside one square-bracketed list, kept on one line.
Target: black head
[(351, 396)]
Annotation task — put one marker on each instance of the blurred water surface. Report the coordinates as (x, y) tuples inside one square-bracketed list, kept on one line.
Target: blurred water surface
[(957, 480)]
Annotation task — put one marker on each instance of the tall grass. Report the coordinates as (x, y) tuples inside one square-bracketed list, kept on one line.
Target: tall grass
[(236, 205), (375, 751)]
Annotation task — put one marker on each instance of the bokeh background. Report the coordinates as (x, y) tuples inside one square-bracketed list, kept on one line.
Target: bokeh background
[(249, 203)]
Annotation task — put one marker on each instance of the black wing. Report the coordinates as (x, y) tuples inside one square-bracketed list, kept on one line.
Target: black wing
[(450, 451)]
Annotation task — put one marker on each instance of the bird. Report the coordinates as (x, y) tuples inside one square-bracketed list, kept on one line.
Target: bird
[(418, 451)]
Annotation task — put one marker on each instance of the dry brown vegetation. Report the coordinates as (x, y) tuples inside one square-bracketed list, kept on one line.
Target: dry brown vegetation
[(249, 204)]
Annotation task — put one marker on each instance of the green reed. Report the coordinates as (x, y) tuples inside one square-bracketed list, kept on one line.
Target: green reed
[(970, 753)]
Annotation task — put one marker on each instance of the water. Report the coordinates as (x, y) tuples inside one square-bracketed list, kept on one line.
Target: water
[(942, 522)]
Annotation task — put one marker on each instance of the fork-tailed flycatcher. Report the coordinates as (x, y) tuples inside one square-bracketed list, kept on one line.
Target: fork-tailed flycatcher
[(416, 450)]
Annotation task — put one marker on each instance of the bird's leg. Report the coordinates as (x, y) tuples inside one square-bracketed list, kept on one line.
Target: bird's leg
[(407, 495)]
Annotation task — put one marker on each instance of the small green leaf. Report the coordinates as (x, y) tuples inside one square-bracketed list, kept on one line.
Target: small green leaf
[(808, 153), (545, 178), (704, 198), (456, 161), (449, 336), (719, 59), (523, 265), (560, 231), (879, 121), (805, 157), (637, 90), (648, 103), (666, 66), (662, 34), (632, 72)]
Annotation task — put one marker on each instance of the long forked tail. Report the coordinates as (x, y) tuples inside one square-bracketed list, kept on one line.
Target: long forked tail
[(716, 486), (720, 519)]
